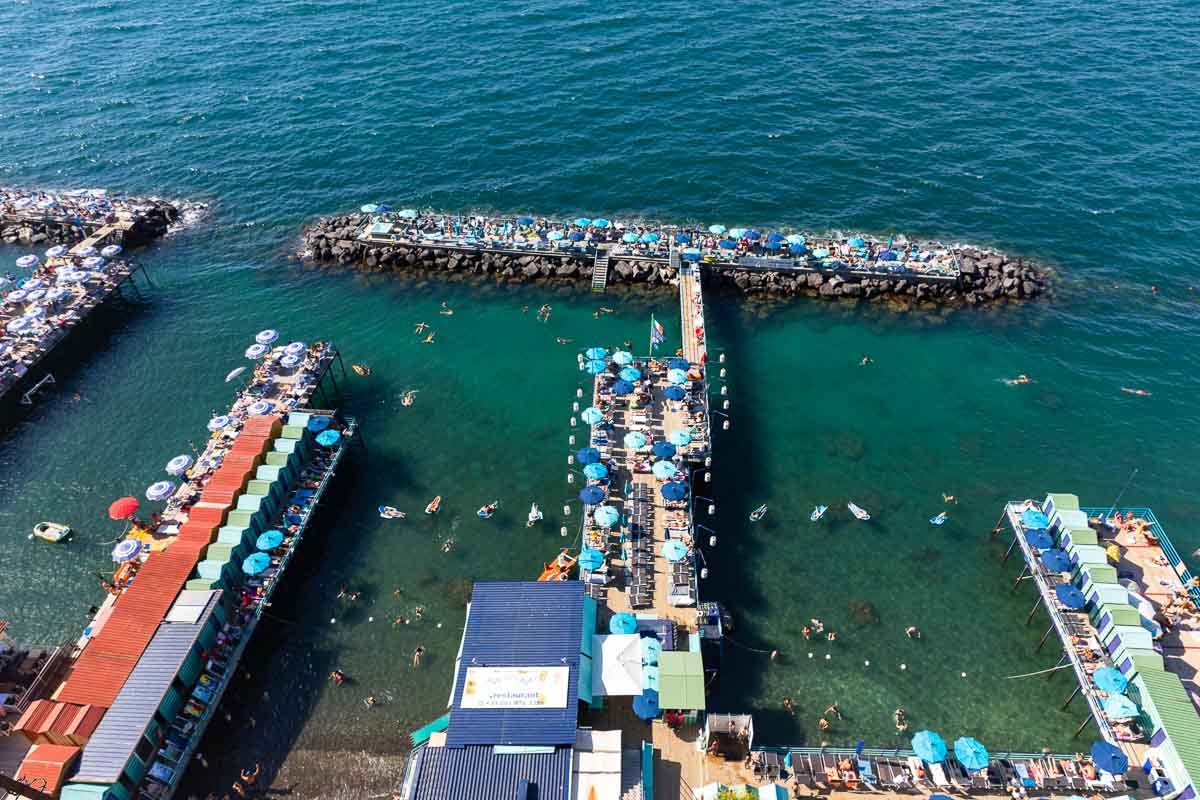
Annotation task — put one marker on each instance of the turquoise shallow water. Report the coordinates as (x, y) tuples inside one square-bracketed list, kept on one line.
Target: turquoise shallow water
[(1059, 131)]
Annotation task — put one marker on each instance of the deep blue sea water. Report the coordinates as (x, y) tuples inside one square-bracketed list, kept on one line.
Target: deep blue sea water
[(1065, 132)]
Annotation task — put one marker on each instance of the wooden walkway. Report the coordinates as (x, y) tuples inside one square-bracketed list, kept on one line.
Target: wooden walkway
[(97, 239), (691, 314)]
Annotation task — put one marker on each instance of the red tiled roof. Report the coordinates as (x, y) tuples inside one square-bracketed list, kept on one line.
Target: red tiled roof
[(45, 765), (29, 725)]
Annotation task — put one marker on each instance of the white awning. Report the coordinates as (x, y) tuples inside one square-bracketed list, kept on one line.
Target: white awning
[(617, 660)]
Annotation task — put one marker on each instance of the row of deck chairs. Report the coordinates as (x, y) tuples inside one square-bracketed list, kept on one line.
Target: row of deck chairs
[(641, 538)]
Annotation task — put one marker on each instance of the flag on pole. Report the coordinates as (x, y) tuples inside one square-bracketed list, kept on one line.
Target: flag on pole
[(657, 334)]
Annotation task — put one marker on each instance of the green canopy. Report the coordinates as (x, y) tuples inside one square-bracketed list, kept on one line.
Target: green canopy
[(1121, 614), (1082, 535), (1167, 705), (1100, 573), (680, 681), (1063, 502)]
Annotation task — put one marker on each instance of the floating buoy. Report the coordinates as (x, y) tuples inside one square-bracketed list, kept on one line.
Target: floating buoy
[(810, 655), (570, 477), (704, 572), (712, 509), (370, 619), (581, 366), (571, 459), (725, 426), (708, 477), (566, 511), (724, 390), (575, 406), (721, 358), (562, 531), (571, 439), (904, 666), (573, 423), (725, 405), (827, 656), (708, 461), (722, 373), (579, 392), (712, 541), (964, 674), (866, 663)]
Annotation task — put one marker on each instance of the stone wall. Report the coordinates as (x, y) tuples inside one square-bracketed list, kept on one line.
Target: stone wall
[(987, 276)]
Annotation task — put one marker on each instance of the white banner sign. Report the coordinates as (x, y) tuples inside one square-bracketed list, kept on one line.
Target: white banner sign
[(516, 687)]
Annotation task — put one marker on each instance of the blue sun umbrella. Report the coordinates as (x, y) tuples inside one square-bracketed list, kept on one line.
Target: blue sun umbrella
[(1118, 706), (590, 559), (179, 464), (600, 223), (595, 472), (1039, 539), (622, 357), (677, 363), (595, 352), (645, 705), (856, 241), (887, 255), (160, 490), (127, 550), (1109, 758), (771, 245), (649, 237), (622, 623), (1034, 519), (737, 233), (629, 238), (674, 550), (588, 455), (682, 238), (752, 235), (554, 236), (929, 747), (256, 351), (408, 213), (971, 753), (680, 438), (635, 440), (651, 650), (716, 229), (592, 416), (524, 220), (256, 563), (675, 392), (582, 222), (1110, 680), (58, 251), (650, 676), (217, 423), (1069, 596), (776, 237), (328, 437), (674, 490), (269, 540), (576, 236), (664, 449), (318, 424), (595, 366), (1056, 560), (663, 469), (606, 516), (591, 495), (795, 238), (267, 336), (727, 244), (622, 388), (630, 374), (28, 262), (677, 376)]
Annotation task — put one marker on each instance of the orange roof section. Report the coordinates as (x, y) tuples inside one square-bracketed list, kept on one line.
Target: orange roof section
[(46, 765)]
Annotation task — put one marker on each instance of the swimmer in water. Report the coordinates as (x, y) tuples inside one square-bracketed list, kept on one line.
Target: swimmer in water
[(421, 326), (901, 720), (561, 340), (407, 398), (912, 632), (338, 677), (1139, 392), (1019, 380), (605, 310), (949, 498), (448, 545), (865, 360), (371, 701), (524, 309), (429, 339)]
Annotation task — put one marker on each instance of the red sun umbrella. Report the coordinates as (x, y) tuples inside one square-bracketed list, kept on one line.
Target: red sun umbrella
[(123, 508)]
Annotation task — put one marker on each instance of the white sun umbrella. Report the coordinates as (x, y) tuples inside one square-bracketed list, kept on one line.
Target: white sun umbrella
[(127, 550), (94, 262), (160, 490), (58, 251), (22, 202), (233, 373), (267, 336), (16, 297), (47, 203), (28, 262), (33, 283), (86, 251), (295, 348), (289, 362), (56, 294), (35, 312), (259, 407), (179, 464), (35, 294), (19, 325), (217, 423), (257, 351), (111, 250)]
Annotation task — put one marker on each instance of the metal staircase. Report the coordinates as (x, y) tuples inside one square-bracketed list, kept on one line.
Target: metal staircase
[(600, 271)]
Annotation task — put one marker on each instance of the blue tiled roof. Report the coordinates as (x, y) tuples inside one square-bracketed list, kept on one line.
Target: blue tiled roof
[(478, 773), (520, 624)]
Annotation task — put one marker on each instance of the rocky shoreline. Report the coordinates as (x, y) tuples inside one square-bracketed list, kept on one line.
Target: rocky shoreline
[(987, 276), (34, 229)]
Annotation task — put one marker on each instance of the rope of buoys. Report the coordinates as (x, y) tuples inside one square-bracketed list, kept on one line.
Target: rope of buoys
[(1039, 672), (731, 640)]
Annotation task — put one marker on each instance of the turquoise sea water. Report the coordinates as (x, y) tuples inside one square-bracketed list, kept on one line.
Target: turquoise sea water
[(1058, 131)]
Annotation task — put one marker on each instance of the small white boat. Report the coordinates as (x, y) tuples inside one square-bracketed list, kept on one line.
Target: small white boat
[(51, 531), (535, 516), (940, 519), (818, 512), (859, 513), (390, 512)]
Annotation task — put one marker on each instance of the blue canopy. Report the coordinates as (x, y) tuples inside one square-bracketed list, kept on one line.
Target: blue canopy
[(635, 440), (645, 705), (1056, 560), (929, 747), (595, 472), (663, 470), (1118, 706), (664, 449), (595, 366), (591, 495), (629, 238), (1069, 596), (328, 437), (555, 236), (606, 516), (622, 358), (691, 254), (752, 235), (256, 563), (576, 236), (630, 374), (524, 220), (622, 623), (592, 416), (590, 559), (677, 376), (771, 245), (651, 650), (675, 362), (674, 490), (1110, 680), (682, 238), (776, 237), (582, 222), (127, 550), (1109, 758), (622, 388), (971, 753), (1034, 519), (674, 550), (649, 237), (887, 255), (727, 244), (675, 392), (1039, 538), (318, 424), (595, 352), (269, 540), (680, 438), (588, 455), (600, 223), (717, 229), (856, 241)]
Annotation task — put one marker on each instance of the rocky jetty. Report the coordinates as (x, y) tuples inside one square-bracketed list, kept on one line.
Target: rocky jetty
[(44, 227), (987, 276)]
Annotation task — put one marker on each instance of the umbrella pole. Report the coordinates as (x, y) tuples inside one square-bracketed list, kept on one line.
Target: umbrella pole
[(1008, 552), (1033, 610), (1069, 699), (1045, 636)]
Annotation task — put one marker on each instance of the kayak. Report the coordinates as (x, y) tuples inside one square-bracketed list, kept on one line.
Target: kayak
[(535, 516), (860, 513), (51, 531), (818, 512), (940, 519), (485, 512), (758, 513), (559, 569), (434, 505), (390, 512), (360, 369)]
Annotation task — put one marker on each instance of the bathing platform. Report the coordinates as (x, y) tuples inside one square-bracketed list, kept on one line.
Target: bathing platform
[(1122, 606), (38, 218)]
